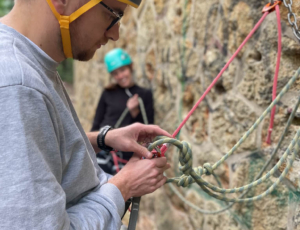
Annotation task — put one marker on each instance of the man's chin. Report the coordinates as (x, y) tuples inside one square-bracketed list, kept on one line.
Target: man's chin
[(85, 56)]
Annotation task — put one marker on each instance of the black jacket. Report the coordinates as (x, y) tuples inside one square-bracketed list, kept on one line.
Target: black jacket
[(113, 102)]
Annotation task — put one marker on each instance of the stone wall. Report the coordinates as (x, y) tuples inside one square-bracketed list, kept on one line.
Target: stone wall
[(178, 47)]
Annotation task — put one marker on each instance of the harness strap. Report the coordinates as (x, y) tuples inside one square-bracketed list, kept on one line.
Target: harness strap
[(134, 213)]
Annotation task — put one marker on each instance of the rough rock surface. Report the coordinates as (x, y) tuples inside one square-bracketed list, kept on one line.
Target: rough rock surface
[(178, 48)]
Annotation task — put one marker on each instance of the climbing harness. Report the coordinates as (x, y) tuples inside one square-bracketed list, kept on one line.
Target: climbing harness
[(134, 213)]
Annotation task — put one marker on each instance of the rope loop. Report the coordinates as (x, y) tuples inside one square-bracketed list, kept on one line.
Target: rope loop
[(194, 175), (209, 169), (185, 157), (185, 160)]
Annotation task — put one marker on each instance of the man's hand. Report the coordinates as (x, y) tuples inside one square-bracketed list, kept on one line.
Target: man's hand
[(140, 177), (132, 137)]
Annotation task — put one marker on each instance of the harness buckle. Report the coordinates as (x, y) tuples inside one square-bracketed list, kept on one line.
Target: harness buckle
[(64, 22), (270, 7)]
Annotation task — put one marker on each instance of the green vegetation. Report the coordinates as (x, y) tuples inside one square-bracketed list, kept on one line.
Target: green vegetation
[(5, 6), (65, 69)]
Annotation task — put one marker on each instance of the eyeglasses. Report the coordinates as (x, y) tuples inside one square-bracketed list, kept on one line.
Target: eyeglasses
[(118, 16)]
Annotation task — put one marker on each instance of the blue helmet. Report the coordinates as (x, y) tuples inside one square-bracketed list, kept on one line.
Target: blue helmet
[(116, 58)]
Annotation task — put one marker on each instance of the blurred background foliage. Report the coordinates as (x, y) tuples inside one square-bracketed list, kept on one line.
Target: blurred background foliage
[(65, 69), (5, 6)]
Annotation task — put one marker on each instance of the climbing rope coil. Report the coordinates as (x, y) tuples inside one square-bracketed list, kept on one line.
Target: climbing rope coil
[(192, 175)]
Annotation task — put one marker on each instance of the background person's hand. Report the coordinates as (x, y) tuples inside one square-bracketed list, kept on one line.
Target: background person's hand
[(132, 138), (140, 177), (133, 102)]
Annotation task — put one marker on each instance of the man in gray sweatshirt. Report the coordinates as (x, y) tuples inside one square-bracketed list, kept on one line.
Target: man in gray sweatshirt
[(49, 177)]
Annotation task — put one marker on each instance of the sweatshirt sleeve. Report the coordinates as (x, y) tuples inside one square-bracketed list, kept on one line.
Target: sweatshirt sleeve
[(100, 112), (31, 171)]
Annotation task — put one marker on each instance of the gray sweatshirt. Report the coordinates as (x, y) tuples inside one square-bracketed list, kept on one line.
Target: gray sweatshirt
[(49, 178)]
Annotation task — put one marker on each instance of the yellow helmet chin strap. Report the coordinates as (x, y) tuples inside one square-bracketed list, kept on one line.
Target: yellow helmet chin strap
[(64, 22)]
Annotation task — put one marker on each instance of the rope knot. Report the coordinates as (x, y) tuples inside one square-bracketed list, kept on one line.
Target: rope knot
[(209, 169), (185, 158)]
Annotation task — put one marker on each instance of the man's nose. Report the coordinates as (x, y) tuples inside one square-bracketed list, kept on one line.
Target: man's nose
[(113, 33)]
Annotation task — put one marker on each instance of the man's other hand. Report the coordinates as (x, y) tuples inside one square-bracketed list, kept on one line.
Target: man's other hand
[(140, 177)]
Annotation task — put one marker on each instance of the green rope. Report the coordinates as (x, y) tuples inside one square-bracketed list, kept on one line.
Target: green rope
[(123, 115), (143, 111), (191, 175), (181, 76), (263, 169)]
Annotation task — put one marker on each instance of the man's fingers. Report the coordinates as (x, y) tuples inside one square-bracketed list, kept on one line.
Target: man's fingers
[(135, 157), (166, 167), (162, 182), (141, 151), (163, 169), (160, 162), (155, 130)]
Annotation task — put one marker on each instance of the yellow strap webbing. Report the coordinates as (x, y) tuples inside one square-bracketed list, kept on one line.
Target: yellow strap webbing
[(83, 9), (64, 22)]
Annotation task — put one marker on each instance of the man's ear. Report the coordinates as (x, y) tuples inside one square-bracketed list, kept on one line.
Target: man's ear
[(60, 6)]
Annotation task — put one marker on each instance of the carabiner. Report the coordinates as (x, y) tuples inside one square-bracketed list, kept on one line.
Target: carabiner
[(270, 7)]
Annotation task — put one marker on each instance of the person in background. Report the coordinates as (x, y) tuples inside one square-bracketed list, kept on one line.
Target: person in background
[(122, 94)]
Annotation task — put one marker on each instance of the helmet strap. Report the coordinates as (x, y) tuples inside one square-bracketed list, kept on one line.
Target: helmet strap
[(64, 22)]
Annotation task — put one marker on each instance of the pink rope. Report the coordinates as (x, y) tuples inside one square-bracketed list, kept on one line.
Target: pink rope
[(115, 158), (164, 147), (122, 160), (275, 76)]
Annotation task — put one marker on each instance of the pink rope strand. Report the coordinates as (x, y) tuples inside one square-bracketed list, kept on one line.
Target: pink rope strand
[(116, 163), (276, 75), (164, 147)]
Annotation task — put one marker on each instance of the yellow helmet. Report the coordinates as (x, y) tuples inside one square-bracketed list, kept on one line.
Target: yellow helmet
[(64, 21)]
